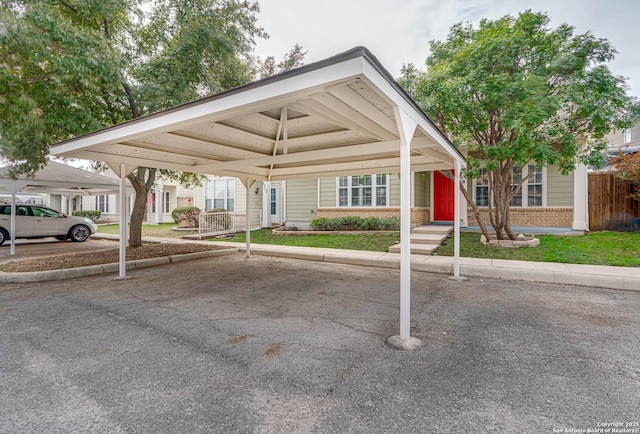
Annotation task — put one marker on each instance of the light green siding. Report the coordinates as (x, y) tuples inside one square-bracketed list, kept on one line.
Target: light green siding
[(55, 202), (394, 190), (559, 188), (427, 188), (256, 199), (421, 192), (328, 194), (241, 195), (302, 200)]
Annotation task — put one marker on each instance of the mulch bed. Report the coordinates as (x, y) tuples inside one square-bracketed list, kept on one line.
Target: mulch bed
[(98, 257)]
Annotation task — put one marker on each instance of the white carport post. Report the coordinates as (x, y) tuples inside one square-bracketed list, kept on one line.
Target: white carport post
[(123, 221), (159, 201), (247, 185), (12, 250), (406, 127), (456, 223)]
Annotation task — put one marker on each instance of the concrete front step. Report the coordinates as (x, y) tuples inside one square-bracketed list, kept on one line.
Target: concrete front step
[(420, 249), (432, 229), (428, 238)]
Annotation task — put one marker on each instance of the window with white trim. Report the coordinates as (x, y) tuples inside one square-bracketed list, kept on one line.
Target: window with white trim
[(530, 195), (363, 190), (534, 186), (102, 203), (516, 177), (166, 202), (482, 188), (220, 193)]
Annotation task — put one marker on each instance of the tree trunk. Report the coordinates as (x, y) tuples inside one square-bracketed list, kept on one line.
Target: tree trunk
[(476, 212), (474, 207), (142, 180)]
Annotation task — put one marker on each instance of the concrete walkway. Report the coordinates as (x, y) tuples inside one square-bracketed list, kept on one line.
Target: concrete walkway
[(599, 276)]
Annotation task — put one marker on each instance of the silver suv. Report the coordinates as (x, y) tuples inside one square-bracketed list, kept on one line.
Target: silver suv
[(35, 221)]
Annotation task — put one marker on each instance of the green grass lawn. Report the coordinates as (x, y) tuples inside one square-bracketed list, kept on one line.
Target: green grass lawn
[(597, 248), (372, 242)]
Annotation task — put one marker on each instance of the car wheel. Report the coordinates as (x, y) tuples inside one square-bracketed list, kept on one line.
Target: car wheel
[(79, 233), (61, 237), (4, 236)]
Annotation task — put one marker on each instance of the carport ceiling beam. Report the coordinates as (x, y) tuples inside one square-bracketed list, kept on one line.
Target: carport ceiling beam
[(222, 149), (314, 108), (391, 165), (339, 107), (361, 105), (434, 153), (367, 149), (257, 173)]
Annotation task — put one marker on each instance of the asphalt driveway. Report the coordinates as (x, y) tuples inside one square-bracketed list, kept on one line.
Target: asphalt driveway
[(277, 345)]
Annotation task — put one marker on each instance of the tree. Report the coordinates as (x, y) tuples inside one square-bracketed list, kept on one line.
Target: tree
[(628, 167), (69, 67), (292, 59), (520, 96)]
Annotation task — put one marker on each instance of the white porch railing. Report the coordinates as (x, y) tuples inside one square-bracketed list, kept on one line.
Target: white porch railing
[(220, 223)]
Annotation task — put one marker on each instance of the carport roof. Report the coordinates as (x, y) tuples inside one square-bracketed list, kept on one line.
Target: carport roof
[(330, 118), (59, 178)]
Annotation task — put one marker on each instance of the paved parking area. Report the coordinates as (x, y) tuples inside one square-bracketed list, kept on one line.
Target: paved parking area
[(280, 345)]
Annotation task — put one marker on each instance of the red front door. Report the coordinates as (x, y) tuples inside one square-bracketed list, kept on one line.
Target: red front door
[(442, 197)]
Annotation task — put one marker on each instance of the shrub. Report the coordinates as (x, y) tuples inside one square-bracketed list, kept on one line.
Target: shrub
[(186, 215), (92, 214), (355, 223)]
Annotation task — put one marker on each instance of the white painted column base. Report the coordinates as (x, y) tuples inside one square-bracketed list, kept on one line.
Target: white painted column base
[(408, 344)]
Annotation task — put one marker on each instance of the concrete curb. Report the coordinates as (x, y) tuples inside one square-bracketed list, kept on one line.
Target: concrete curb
[(92, 270), (620, 278)]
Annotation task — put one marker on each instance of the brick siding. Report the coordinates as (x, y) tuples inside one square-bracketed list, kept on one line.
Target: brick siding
[(561, 217)]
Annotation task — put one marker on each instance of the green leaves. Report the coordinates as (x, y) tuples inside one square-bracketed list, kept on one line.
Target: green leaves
[(514, 91), (74, 66)]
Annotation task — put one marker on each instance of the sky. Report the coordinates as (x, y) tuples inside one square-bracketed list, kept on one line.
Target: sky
[(399, 31)]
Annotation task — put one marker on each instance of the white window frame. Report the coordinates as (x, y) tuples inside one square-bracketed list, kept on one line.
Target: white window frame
[(102, 203), (374, 195), (166, 202), (525, 188), (210, 192)]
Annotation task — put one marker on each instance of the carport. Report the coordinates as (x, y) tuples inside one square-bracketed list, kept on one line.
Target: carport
[(56, 178), (342, 116)]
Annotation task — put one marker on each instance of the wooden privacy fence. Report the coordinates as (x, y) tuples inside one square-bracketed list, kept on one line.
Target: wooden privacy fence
[(610, 207)]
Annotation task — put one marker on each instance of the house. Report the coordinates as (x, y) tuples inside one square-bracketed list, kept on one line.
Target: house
[(223, 192), (548, 199)]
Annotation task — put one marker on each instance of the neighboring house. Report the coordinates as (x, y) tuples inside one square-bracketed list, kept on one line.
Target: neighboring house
[(548, 199), (229, 194), (164, 197)]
